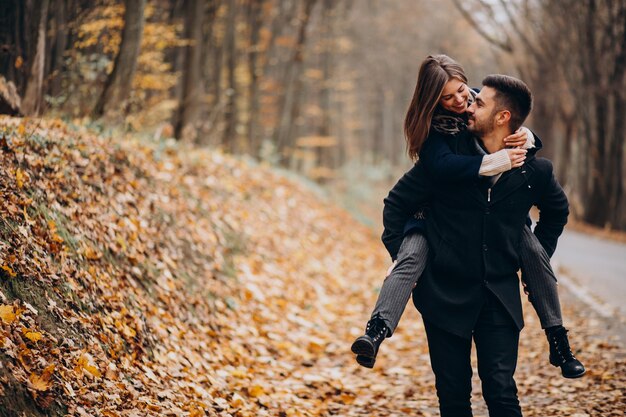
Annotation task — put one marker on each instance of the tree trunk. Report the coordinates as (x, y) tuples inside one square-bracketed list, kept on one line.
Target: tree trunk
[(60, 43), (31, 105), (119, 83), (191, 100), (230, 115), (255, 8), (290, 109)]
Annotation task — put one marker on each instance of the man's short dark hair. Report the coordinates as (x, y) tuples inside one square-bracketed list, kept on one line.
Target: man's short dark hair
[(513, 95)]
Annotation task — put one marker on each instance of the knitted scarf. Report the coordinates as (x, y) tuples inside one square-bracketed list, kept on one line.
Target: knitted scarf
[(448, 122)]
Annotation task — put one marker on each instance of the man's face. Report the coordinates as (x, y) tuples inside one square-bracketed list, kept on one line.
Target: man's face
[(481, 113)]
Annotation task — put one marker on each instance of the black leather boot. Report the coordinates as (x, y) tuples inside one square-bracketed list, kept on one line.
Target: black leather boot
[(561, 354), (366, 346)]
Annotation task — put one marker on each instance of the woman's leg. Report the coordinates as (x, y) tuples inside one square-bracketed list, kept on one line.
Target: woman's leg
[(398, 286), (540, 280), (393, 298)]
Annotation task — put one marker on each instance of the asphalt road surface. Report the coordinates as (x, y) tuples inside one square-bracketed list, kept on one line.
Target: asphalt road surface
[(593, 269)]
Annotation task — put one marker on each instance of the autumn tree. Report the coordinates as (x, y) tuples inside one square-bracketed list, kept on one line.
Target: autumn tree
[(190, 102), (31, 104), (118, 85)]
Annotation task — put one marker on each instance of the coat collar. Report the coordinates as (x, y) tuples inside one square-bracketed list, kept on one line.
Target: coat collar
[(510, 181)]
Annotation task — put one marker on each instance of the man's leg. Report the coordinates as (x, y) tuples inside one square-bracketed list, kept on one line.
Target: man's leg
[(450, 360), (497, 339)]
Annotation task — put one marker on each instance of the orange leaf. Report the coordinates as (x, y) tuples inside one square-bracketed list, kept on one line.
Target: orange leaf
[(9, 270)]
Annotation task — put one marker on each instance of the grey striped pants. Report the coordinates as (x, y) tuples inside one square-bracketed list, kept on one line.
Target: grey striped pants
[(537, 273)]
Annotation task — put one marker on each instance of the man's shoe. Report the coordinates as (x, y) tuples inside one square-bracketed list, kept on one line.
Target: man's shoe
[(366, 346), (561, 355)]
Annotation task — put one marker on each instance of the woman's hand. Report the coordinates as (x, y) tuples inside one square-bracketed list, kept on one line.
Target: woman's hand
[(516, 139), (517, 157)]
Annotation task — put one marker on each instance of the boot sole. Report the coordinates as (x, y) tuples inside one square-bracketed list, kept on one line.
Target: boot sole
[(365, 361), (363, 347), (574, 376)]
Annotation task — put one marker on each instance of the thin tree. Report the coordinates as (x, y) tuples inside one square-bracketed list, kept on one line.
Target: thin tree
[(230, 46), (192, 92), (290, 106)]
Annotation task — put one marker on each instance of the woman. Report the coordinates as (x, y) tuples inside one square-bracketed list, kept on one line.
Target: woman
[(437, 109)]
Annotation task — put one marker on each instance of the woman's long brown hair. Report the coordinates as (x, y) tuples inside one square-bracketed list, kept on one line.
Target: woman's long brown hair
[(435, 72)]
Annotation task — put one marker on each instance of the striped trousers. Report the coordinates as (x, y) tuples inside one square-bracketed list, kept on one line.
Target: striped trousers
[(537, 274)]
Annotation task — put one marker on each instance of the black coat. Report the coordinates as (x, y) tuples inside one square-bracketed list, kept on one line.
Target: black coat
[(474, 235)]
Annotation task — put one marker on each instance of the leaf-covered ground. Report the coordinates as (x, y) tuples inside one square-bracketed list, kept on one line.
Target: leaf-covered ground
[(145, 279)]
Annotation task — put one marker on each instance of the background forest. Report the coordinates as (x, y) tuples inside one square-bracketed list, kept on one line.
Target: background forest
[(321, 86)]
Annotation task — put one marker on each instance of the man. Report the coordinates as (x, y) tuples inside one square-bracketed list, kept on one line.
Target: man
[(470, 287)]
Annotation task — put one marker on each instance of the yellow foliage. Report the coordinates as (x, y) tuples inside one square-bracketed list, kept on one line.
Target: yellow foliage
[(32, 335), (42, 382), (7, 314)]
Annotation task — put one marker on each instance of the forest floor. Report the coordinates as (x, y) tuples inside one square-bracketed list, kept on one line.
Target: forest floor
[(150, 279)]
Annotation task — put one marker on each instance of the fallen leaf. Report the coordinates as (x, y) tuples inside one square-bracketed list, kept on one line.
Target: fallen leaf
[(9, 270), (42, 382), (31, 335), (7, 314)]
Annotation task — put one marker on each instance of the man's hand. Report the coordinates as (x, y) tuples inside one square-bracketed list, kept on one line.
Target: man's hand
[(517, 157), (516, 139)]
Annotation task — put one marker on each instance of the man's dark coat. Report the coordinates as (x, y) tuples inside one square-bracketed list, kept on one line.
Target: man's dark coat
[(474, 232)]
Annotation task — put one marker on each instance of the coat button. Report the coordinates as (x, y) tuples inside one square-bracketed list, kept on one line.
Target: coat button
[(485, 248)]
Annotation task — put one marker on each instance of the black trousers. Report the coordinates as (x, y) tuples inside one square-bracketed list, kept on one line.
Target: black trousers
[(496, 339)]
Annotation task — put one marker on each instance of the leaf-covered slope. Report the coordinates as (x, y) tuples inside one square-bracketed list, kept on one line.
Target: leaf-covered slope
[(160, 278)]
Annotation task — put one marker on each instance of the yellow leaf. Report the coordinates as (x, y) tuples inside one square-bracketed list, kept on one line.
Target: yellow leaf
[(42, 383), (33, 336), (93, 371), (20, 178), (21, 129), (9, 270), (7, 314), (256, 391), (239, 373), (83, 363)]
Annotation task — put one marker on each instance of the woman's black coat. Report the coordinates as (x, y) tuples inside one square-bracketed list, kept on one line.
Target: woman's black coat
[(474, 234)]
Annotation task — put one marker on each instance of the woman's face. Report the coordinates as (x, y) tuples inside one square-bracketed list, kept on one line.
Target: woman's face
[(454, 96)]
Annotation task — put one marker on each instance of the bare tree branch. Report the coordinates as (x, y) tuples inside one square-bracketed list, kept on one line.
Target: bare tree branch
[(505, 46)]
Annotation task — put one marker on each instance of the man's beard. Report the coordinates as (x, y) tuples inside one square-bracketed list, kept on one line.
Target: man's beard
[(483, 128)]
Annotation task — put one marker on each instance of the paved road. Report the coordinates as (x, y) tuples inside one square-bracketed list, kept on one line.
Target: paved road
[(595, 270)]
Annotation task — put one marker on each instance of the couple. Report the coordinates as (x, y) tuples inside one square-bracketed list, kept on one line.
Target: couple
[(457, 224)]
